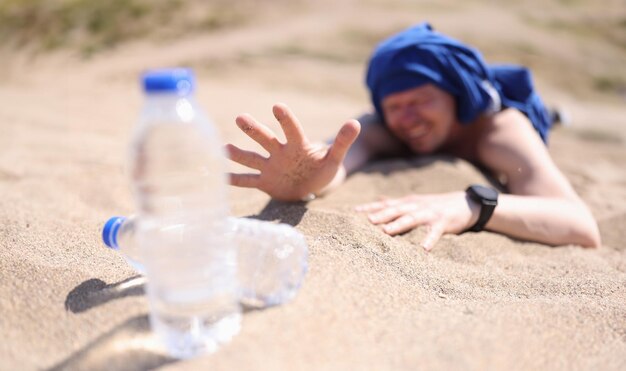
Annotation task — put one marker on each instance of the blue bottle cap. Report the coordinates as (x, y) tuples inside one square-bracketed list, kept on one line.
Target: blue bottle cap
[(180, 81), (109, 232)]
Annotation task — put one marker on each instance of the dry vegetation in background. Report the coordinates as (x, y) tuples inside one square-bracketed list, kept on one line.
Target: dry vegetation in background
[(596, 31)]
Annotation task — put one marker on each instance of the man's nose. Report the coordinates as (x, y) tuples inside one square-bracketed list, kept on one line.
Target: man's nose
[(408, 117)]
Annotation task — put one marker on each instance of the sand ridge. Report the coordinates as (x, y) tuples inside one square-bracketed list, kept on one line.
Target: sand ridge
[(370, 301)]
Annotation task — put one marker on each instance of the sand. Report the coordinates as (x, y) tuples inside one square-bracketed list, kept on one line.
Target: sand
[(369, 301)]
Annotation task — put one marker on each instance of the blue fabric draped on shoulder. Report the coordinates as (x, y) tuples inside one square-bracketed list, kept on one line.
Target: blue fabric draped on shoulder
[(421, 55)]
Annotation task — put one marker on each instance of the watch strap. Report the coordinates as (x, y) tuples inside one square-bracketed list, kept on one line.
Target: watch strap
[(487, 206)]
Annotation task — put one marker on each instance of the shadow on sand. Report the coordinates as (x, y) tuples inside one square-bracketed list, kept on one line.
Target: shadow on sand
[(129, 346), (282, 212), (94, 292), (132, 345)]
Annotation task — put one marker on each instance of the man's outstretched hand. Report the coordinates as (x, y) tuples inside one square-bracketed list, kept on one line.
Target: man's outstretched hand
[(293, 169)]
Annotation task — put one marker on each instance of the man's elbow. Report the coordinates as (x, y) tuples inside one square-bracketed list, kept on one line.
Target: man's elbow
[(592, 241), (589, 236), (585, 231)]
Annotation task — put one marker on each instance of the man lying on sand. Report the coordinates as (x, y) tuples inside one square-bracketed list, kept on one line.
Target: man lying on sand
[(433, 94)]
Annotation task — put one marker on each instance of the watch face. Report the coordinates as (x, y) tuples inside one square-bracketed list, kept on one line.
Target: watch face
[(485, 193)]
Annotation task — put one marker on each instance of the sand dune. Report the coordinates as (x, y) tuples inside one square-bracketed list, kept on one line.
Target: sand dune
[(370, 301)]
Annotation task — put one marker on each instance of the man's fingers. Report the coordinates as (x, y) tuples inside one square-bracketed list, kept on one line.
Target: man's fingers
[(346, 136), (290, 124), (245, 158), (244, 180), (435, 233), (376, 206), (390, 213), (258, 132), (406, 222)]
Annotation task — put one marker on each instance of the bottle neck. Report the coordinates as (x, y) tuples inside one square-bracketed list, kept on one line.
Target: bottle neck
[(166, 98), (171, 105)]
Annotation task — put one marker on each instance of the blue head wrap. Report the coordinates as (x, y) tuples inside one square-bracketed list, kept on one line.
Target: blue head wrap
[(420, 55)]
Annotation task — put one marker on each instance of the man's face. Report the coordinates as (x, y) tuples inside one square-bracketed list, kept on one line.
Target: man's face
[(421, 117)]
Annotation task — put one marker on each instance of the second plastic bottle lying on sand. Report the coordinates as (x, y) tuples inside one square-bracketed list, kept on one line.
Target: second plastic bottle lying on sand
[(271, 258)]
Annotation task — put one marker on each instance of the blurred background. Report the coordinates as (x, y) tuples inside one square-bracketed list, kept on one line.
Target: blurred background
[(577, 45), (70, 97)]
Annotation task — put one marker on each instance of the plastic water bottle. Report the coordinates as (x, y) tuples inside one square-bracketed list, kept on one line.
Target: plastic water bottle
[(179, 184), (271, 258), (119, 234), (272, 261)]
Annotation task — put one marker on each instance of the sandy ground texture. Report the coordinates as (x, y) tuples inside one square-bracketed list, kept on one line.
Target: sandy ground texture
[(370, 301)]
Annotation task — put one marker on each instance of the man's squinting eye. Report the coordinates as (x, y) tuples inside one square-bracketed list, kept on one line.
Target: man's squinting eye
[(392, 108)]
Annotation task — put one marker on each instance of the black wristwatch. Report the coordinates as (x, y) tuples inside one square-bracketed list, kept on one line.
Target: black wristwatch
[(487, 198)]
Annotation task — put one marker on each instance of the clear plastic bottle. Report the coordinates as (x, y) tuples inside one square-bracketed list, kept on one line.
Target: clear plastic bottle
[(119, 234), (271, 258), (272, 261), (179, 185)]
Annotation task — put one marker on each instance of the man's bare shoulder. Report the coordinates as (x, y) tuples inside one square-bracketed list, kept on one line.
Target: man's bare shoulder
[(509, 131), (510, 146)]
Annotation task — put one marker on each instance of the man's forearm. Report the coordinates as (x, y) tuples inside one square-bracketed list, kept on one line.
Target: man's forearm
[(554, 221)]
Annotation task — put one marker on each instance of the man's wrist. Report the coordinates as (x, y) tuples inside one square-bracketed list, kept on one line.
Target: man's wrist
[(487, 199), (474, 208), (339, 177)]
